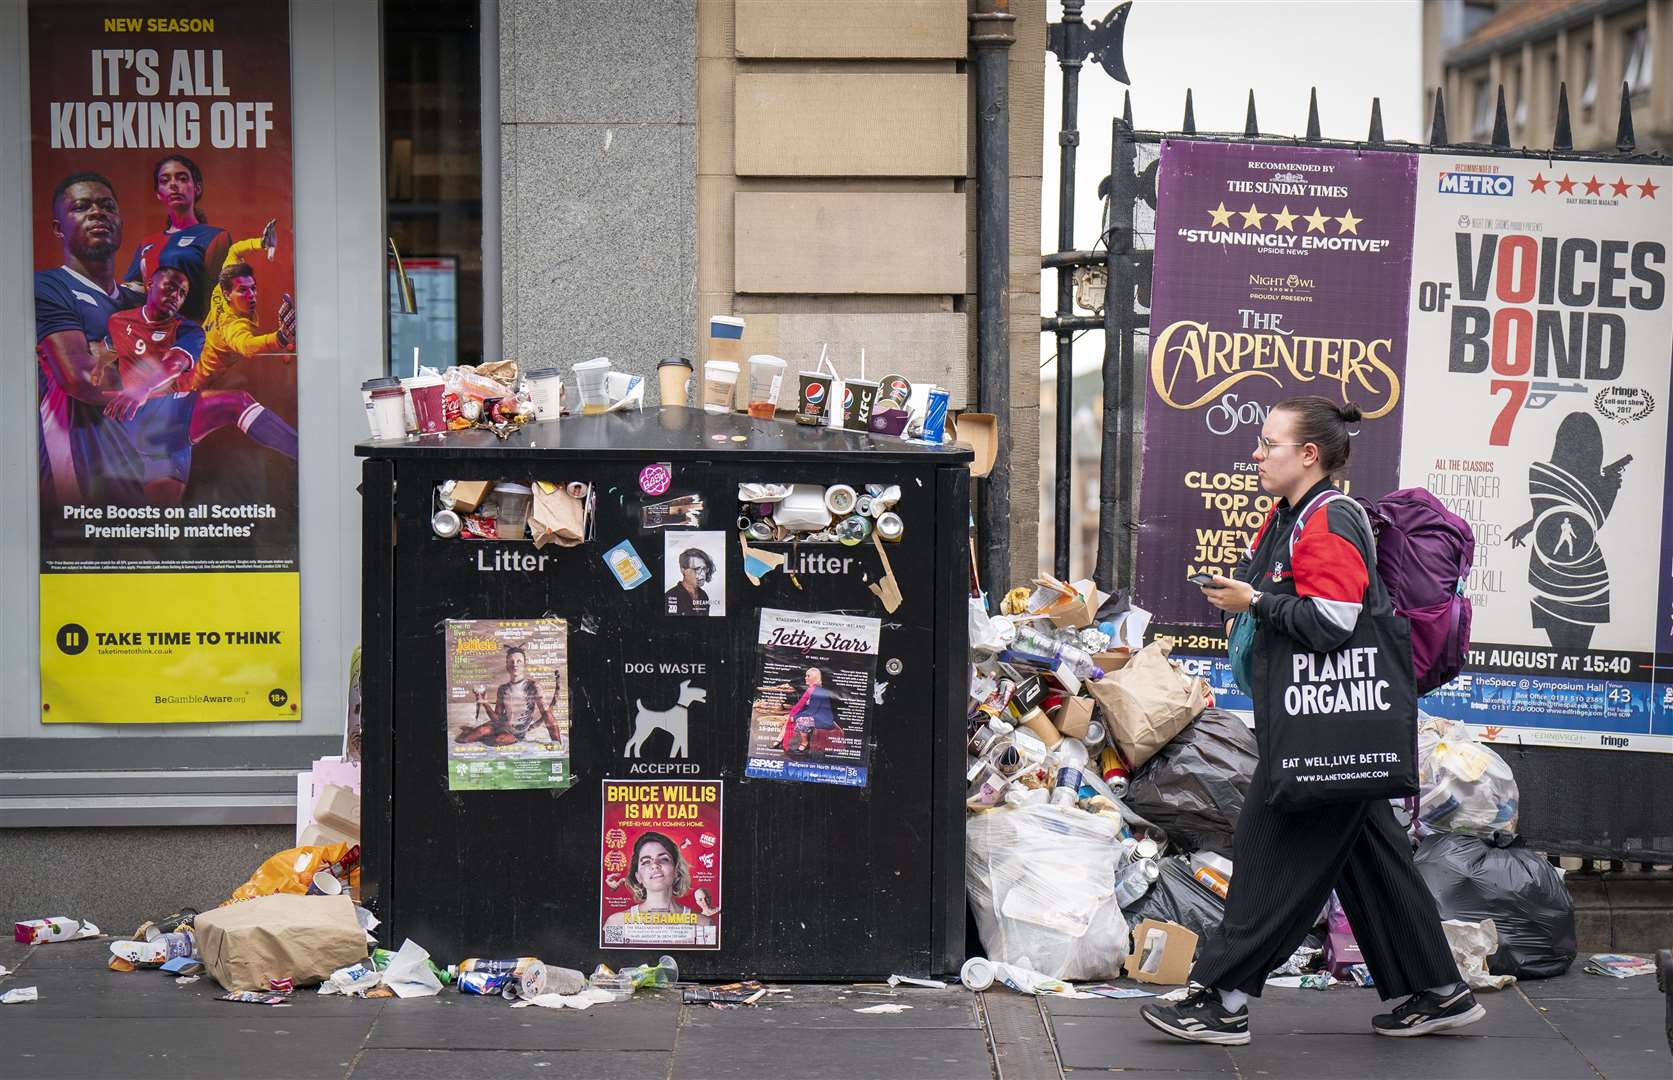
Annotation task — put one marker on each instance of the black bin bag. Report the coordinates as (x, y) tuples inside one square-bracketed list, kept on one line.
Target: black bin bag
[(1474, 879), (1194, 787), (1176, 897)]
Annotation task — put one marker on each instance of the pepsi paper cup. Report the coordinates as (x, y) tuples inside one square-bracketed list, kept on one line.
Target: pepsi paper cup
[(813, 403)]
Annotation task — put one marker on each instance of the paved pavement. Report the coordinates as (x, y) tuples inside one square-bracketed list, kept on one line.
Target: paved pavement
[(92, 1022)]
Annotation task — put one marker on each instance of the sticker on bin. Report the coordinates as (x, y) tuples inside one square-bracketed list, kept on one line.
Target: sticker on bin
[(625, 563)]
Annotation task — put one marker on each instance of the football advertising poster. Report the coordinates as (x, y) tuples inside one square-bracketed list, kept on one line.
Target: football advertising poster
[(1541, 340), (166, 367), (660, 855), (1279, 271), (810, 717), (507, 704)]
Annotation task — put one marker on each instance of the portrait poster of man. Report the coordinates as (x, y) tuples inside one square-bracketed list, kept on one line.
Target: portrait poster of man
[(660, 857), (507, 704), (694, 573), (165, 362), (809, 717)]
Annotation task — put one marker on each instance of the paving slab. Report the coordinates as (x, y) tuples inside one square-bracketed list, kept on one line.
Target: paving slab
[(1624, 1038), (1127, 1042), (508, 1064), (452, 1021), (90, 954), (104, 994), (1370, 1057), (927, 1009), (262, 1041), (1578, 984), (843, 1054)]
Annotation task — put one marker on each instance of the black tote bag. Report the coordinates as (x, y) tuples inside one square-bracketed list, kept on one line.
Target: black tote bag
[(1337, 726)]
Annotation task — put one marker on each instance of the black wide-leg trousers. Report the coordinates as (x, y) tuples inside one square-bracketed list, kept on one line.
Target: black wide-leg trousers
[(1284, 866)]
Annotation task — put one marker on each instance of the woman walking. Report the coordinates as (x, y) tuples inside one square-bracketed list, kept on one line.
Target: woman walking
[(1312, 590)]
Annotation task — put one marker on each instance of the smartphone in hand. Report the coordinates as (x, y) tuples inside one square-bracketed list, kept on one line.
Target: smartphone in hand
[(1202, 581)]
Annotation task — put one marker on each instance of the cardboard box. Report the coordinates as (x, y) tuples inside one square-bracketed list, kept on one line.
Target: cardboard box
[(338, 808), (317, 835), (1114, 660), (468, 494), (302, 938), (1073, 716), (1162, 953)]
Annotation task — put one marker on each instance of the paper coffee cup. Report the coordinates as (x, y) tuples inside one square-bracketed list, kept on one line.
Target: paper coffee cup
[(726, 334), (813, 401), (674, 374), (858, 398), (720, 385)]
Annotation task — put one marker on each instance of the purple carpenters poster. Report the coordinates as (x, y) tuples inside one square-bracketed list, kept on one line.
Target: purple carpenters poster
[(1279, 272)]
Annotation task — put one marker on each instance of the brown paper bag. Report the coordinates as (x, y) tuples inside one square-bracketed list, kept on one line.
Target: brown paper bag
[(301, 938), (1148, 702), (557, 517)]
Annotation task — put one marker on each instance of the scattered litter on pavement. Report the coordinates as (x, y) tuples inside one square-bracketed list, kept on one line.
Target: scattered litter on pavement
[(4, 971), (728, 996), (1471, 944), (1105, 990), (1319, 981), (255, 997), (20, 995), (1619, 966), (907, 980), (884, 1009), (186, 979), (409, 974), (53, 929), (586, 999)]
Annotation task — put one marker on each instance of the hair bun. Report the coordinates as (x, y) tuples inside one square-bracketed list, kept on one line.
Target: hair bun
[(1349, 413)]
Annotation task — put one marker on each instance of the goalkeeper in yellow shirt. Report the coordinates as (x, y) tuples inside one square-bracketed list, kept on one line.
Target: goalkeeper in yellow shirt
[(230, 330)]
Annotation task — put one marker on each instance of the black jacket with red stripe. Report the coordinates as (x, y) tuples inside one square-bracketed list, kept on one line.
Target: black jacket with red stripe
[(1317, 600)]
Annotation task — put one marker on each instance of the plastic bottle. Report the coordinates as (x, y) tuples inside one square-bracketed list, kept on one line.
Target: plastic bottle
[(1037, 642), (664, 974), (1133, 882)]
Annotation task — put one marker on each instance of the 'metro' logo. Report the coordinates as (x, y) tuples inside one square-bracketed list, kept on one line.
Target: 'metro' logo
[(1469, 183)]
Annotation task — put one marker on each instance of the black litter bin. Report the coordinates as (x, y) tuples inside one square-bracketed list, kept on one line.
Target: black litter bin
[(853, 871)]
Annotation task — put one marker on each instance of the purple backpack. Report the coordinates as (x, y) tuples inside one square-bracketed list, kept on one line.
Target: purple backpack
[(1424, 553)]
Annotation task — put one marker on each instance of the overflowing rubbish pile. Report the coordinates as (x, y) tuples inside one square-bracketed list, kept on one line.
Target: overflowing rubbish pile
[(1104, 789)]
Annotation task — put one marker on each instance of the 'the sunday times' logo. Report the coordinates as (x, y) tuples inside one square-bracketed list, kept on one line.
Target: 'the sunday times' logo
[(1472, 183)]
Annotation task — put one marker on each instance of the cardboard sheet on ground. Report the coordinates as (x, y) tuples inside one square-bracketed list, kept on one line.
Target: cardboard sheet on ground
[(507, 704), (1162, 953), (810, 717)]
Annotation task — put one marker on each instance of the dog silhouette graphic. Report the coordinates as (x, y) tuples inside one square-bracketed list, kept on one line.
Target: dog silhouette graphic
[(673, 721)]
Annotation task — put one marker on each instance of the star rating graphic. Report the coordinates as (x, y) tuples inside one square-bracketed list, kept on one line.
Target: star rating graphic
[(1347, 224), (1619, 189)]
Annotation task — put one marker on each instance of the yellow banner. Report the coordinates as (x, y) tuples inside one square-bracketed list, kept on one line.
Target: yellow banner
[(169, 648)]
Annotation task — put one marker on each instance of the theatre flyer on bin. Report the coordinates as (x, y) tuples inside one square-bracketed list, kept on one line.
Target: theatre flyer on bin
[(507, 704), (810, 715), (660, 855), (163, 252)]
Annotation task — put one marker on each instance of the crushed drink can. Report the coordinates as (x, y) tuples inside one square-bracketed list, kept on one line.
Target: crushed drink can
[(483, 982), (1069, 777), (935, 416)]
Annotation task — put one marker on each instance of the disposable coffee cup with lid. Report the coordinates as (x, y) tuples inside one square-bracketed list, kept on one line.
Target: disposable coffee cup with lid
[(674, 378), (546, 389), (977, 973)]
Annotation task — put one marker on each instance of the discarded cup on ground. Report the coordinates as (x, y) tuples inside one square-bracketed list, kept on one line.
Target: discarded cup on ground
[(663, 974)]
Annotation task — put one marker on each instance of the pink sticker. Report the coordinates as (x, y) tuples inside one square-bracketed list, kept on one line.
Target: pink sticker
[(655, 479)]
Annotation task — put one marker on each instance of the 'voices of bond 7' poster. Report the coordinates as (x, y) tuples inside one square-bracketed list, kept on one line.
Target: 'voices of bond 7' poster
[(165, 330)]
